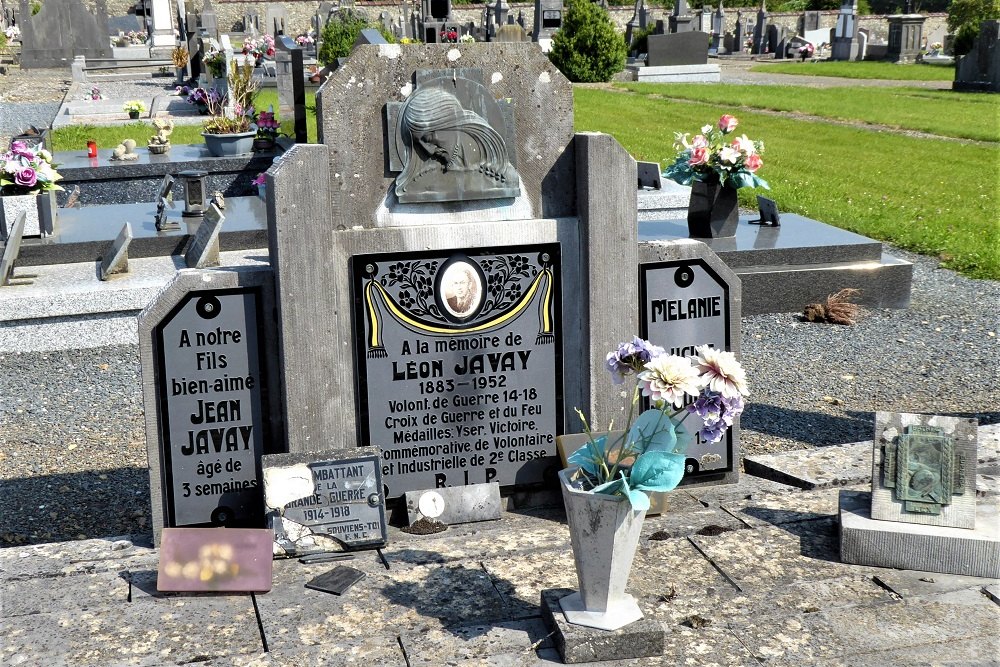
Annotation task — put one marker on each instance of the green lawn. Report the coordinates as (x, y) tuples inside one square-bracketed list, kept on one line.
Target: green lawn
[(931, 196), (943, 112), (862, 70), (75, 137)]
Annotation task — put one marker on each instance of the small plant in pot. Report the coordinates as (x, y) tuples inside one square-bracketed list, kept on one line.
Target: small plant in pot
[(267, 130), (179, 57), (133, 108), (231, 129)]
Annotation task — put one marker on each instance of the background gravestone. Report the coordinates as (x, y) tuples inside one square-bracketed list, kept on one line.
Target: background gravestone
[(577, 191), (205, 347), (62, 30), (685, 48), (980, 68)]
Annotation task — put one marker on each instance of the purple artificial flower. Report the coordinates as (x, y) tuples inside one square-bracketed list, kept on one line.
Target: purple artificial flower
[(25, 177), (717, 413), (630, 357), (20, 149)]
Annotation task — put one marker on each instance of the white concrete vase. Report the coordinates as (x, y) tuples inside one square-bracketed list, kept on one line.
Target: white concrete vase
[(604, 531)]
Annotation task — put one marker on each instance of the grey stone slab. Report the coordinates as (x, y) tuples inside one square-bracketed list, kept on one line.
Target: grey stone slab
[(748, 487), (66, 29), (676, 73), (762, 560), (84, 233), (519, 581), (978, 651), (61, 559), (176, 629), (778, 509), (488, 643), (203, 251), (912, 546), (576, 643), (992, 592), (457, 504), (822, 467), (959, 509), (847, 633), (797, 241), (393, 601), (669, 201), (910, 583), (70, 593), (115, 259)]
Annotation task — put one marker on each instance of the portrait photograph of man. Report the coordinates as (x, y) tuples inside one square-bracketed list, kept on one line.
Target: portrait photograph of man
[(461, 289)]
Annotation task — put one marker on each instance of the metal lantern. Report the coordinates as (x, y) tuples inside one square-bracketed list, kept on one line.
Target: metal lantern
[(194, 192)]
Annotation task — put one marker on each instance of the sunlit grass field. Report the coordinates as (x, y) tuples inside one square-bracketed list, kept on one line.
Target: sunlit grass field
[(931, 195), (861, 70)]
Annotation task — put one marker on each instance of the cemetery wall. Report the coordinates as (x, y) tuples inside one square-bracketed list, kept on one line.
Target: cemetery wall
[(300, 12)]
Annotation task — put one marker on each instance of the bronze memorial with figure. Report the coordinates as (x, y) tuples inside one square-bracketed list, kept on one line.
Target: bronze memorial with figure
[(451, 141)]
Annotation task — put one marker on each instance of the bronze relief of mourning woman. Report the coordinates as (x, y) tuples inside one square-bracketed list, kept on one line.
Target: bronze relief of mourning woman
[(450, 153)]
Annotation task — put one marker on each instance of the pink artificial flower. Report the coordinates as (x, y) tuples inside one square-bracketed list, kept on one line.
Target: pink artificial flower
[(754, 162), (259, 180), (699, 141), (25, 177), (728, 123), (744, 145), (698, 156)]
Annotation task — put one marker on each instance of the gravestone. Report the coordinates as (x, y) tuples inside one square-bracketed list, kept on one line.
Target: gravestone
[(115, 258), (905, 37), (455, 361), (718, 32), (739, 33), (324, 501), (689, 297), (845, 33), (639, 20), (209, 22), (275, 19), (681, 19), (11, 248), (547, 19), (980, 68), (759, 32), (209, 398), (809, 21), (686, 48), (511, 33), (291, 85), (923, 512), (251, 24), (62, 30), (500, 11)]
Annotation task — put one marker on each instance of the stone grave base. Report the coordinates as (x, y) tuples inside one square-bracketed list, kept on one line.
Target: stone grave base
[(676, 74), (577, 643), (670, 201), (802, 261), (910, 546)]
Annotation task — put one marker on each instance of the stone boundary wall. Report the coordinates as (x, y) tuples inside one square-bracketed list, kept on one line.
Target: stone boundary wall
[(230, 13)]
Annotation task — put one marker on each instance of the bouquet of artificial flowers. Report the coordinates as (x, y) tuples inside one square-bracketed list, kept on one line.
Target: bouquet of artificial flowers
[(27, 171), (711, 157), (650, 456)]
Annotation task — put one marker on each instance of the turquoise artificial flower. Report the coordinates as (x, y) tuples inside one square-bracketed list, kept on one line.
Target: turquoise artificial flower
[(652, 431), (657, 471), (620, 487), (590, 456)]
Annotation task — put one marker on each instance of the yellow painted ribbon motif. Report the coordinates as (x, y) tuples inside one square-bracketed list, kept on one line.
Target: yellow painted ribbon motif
[(374, 290)]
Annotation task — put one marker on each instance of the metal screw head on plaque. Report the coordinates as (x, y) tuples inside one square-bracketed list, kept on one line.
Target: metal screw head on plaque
[(194, 192), (923, 469)]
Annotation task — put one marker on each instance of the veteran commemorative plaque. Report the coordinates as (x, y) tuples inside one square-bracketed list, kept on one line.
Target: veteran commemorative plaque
[(209, 381), (459, 358), (685, 304), (325, 500)]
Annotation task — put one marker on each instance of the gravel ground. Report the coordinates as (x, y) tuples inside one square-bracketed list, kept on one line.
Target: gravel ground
[(72, 447)]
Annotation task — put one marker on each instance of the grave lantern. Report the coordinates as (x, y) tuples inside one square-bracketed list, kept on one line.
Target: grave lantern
[(194, 192)]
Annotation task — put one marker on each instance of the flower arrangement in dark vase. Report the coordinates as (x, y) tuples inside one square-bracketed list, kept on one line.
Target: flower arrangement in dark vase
[(713, 158), (650, 455)]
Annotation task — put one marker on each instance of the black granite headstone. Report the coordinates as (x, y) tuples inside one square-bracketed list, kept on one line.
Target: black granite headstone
[(62, 30), (458, 359), (213, 425), (686, 48), (685, 304)]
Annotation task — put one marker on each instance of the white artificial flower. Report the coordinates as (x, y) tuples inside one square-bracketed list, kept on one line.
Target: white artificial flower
[(721, 372), (668, 378)]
